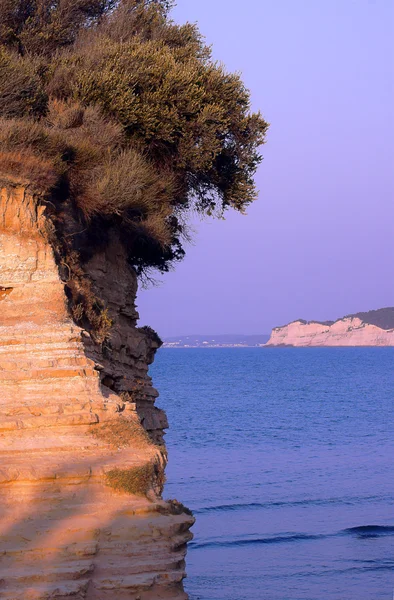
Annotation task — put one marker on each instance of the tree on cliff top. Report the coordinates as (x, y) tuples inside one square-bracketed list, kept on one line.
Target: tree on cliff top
[(122, 116)]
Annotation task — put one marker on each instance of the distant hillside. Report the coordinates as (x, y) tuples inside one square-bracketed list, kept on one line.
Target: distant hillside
[(382, 317), (216, 341), (371, 328)]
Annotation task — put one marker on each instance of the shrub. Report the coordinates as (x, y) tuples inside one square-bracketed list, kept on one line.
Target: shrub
[(38, 173), (184, 111), (21, 91), (131, 121), (126, 184), (43, 26)]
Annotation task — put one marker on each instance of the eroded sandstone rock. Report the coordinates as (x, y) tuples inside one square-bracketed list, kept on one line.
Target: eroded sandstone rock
[(349, 331), (81, 514)]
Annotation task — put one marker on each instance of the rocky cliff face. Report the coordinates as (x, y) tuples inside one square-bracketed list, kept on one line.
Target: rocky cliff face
[(349, 331), (82, 458)]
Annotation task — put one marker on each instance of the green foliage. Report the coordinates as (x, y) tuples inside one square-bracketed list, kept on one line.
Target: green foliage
[(185, 112), (138, 122), (43, 26)]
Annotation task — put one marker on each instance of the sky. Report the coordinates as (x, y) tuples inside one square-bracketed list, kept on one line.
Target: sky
[(318, 243)]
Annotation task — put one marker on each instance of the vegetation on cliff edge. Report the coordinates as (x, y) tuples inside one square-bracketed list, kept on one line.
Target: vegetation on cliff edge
[(123, 118)]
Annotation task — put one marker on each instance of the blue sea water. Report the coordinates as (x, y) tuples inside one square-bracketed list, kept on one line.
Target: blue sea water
[(286, 457)]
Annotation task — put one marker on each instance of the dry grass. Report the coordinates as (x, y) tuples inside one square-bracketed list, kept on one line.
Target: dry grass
[(22, 134), (21, 91), (121, 433), (65, 115), (127, 183), (85, 149), (38, 173), (154, 227), (137, 480)]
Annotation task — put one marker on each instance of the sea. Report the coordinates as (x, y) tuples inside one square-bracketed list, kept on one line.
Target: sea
[(286, 458)]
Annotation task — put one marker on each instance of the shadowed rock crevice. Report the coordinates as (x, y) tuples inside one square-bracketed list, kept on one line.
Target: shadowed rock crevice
[(123, 358)]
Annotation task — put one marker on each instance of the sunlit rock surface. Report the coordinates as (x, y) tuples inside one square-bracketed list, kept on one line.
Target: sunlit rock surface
[(375, 328), (69, 525)]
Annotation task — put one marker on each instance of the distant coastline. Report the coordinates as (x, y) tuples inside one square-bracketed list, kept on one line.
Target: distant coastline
[(372, 328), (217, 341)]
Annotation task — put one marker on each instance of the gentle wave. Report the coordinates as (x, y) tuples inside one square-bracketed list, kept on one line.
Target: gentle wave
[(281, 503), (364, 531), (364, 566), (296, 537), (370, 530)]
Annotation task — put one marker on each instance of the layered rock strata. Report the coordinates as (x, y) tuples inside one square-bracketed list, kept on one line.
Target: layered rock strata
[(82, 459), (349, 331)]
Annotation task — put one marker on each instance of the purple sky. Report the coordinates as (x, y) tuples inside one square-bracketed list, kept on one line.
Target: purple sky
[(319, 241)]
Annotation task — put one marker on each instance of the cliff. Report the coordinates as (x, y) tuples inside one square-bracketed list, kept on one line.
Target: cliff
[(81, 442), (373, 328)]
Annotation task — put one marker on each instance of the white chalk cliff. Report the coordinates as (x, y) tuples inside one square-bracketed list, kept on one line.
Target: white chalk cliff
[(374, 328)]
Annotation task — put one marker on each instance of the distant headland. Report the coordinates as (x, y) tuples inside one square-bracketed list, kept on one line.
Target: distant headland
[(372, 328)]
